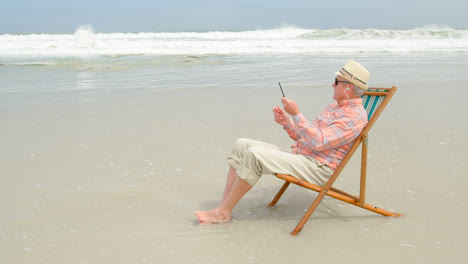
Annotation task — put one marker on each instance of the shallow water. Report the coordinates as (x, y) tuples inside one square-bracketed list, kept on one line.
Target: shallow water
[(105, 160)]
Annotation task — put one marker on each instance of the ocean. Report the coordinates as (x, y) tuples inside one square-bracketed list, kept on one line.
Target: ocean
[(111, 141), (287, 40)]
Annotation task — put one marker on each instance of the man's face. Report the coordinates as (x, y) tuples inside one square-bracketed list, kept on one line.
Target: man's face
[(340, 93)]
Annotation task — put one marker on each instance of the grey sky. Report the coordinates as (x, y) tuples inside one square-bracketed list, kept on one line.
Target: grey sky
[(64, 16)]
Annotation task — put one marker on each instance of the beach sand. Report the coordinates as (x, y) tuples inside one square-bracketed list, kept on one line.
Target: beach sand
[(106, 162)]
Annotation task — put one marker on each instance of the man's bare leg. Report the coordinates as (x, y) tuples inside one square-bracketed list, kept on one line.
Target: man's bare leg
[(231, 179), (222, 213)]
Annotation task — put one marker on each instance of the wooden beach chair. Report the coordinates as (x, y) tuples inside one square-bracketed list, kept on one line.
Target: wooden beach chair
[(374, 101)]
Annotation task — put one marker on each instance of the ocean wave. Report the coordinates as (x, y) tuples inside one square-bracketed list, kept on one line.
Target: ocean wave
[(85, 42), (427, 33)]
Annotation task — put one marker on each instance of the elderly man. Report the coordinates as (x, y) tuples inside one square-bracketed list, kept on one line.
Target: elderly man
[(318, 149)]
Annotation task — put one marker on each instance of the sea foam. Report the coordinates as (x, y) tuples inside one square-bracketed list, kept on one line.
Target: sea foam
[(282, 40)]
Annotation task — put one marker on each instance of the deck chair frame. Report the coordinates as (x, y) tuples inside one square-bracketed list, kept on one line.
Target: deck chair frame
[(327, 189)]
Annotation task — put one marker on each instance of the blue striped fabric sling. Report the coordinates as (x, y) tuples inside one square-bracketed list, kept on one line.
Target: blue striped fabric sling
[(372, 102)]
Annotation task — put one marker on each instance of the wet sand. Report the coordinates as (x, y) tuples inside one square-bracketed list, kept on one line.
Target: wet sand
[(114, 174)]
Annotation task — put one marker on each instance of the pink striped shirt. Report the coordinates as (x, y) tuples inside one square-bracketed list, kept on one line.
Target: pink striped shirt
[(329, 137)]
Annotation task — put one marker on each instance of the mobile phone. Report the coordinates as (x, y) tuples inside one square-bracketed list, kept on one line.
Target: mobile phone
[(281, 89)]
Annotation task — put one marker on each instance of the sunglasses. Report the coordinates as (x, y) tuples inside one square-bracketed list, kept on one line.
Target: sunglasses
[(336, 82)]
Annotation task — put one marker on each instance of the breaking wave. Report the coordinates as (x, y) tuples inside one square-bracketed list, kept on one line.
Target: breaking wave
[(281, 40)]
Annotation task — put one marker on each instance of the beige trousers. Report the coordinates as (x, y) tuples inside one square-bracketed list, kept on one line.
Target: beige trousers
[(252, 158)]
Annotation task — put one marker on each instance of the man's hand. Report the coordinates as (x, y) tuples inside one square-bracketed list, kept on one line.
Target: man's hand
[(290, 106), (281, 117)]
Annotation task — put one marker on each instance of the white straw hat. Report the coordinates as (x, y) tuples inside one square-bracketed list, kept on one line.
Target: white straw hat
[(355, 73)]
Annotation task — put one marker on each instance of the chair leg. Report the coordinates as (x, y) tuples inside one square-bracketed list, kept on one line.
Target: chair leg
[(309, 213), (279, 194), (362, 192), (332, 192)]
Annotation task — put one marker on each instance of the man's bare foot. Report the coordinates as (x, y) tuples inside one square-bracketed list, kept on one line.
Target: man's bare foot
[(212, 217)]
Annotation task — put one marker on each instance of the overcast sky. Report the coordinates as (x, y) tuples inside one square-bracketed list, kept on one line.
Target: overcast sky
[(65, 16)]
